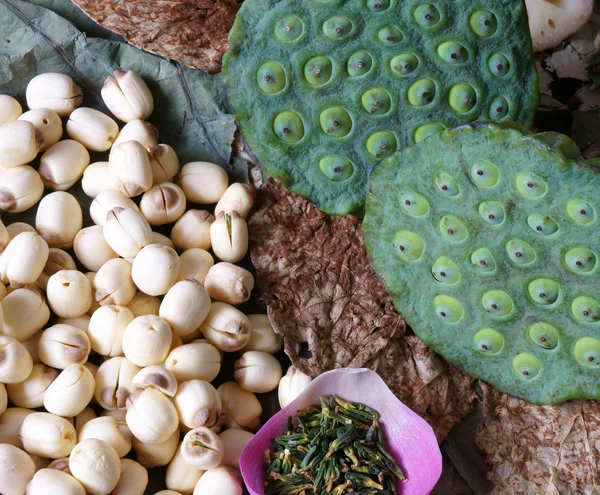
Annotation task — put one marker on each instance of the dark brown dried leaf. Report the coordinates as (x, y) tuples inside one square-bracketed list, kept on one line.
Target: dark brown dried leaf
[(552, 449), (191, 31), (326, 300)]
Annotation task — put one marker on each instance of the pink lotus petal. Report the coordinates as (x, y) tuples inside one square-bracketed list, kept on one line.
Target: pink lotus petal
[(408, 437)]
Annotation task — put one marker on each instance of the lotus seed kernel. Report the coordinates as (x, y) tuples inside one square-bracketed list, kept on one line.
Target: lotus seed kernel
[(542, 224), (585, 309), (409, 245), (580, 260), (526, 366), (337, 28), (289, 28), (462, 98), (359, 64), (317, 71), (288, 127), (444, 270), (336, 168), (544, 291), (499, 65), (530, 185), (488, 341), (520, 252), (413, 203), (452, 229), (497, 303), (492, 212), (448, 309), (587, 352), (390, 35), (499, 108), (427, 15), (421, 93), (581, 212), (381, 144), (483, 23), (335, 122), (404, 64), (452, 52), (424, 131), (543, 335), (484, 174), (270, 78), (447, 185), (376, 101), (378, 5)]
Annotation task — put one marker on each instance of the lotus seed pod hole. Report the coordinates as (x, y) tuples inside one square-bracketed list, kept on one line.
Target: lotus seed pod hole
[(427, 15), (544, 335), (581, 212), (289, 28), (390, 35), (336, 122), (270, 78), (526, 366), (499, 64), (488, 341), (404, 64), (587, 352), (318, 70), (484, 23), (453, 53), (338, 28), (359, 64)]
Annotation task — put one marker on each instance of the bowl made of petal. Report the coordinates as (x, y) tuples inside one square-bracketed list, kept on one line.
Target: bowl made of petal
[(408, 438)]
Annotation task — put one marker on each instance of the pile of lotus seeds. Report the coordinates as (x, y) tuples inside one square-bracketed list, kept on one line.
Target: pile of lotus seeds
[(105, 371), (323, 90)]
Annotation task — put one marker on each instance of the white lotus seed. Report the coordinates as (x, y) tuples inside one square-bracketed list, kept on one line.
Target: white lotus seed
[(107, 201), (158, 377), (229, 237), (127, 96), (220, 481), (91, 248), (63, 164), (20, 142), (130, 164), (16, 470), (47, 435), (156, 455), (196, 360), (47, 122), (194, 264), (63, 345), (180, 475), (113, 283), (55, 91), (263, 337), (114, 382), (238, 197), (54, 482), (10, 109), (126, 231), (292, 385), (71, 392), (58, 260), (25, 313), (92, 128), (203, 182), (163, 203), (96, 465), (234, 441), (20, 188), (69, 293), (192, 230), (225, 327), (201, 448), (30, 392), (133, 480), (147, 340), (198, 404), (240, 407), (58, 219), (143, 304), (106, 329), (155, 269), (23, 260), (164, 163), (151, 416), (185, 306), (16, 363), (229, 283), (113, 432), (98, 178)]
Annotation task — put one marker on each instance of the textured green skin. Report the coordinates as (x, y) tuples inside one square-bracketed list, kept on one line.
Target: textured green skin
[(253, 43), (413, 288)]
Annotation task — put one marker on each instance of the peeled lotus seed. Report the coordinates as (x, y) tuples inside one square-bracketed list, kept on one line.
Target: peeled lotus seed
[(16, 470), (180, 476), (288, 28), (291, 385), (96, 465), (71, 392), (114, 382), (587, 352), (408, 245), (115, 433), (336, 168), (62, 345), (462, 98), (241, 408), (127, 96), (544, 291), (390, 35), (47, 435), (55, 91), (15, 362), (220, 481), (581, 212), (452, 229), (526, 366), (427, 15), (335, 122), (484, 174), (453, 52), (156, 376), (585, 309), (543, 335), (151, 416), (318, 70), (192, 230), (225, 327), (448, 309), (47, 122), (414, 204), (488, 341), (196, 360), (58, 219), (147, 340), (263, 337), (270, 78), (234, 441), (376, 101), (140, 131), (10, 109), (337, 28), (404, 64), (92, 128), (483, 23), (20, 188), (257, 372), (198, 404), (30, 392), (381, 144), (288, 127), (445, 271), (359, 64)]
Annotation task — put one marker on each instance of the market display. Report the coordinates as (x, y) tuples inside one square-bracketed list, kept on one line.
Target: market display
[(324, 91)]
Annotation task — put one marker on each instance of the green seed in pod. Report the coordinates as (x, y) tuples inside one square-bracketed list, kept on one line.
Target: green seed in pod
[(542, 224), (484, 173), (530, 185), (270, 78), (421, 93), (408, 245), (289, 28), (520, 253), (492, 212), (317, 71), (427, 15), (381, 144), (499, 65), (483, 260), (359, 64), (544, 291), (462, 98), (484, 23), (581, 212), (288, 127), (543, 335), (587, 352), (526, 366), (413, 203), (452, 229), (447, 185), (404, 64), (488, 341), (378, 5), (336, 168), (376, 101), (424, 131), (585, 309), (448, 309), (452, 52), (444, 270), (336, 122), (337, 28), (497, 303), (499, 108), (390, 35), (580, 260)]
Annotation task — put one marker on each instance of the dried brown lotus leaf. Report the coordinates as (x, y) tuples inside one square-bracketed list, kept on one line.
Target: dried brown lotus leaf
[(328, 304), (193, 32)]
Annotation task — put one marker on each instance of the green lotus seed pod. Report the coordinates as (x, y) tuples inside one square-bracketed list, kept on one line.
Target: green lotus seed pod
[(543, 335), (453, 53), (483, 23), (390, 35), (587, 352), (498, 108), (585, 309), (336, 168), (376, 101), (447, 185), (288, 127), (336, 122), (381, 144), (484, 174), (359, 64), (526, 366), (448, 309), (581, 212), (452, 229), (543, 291), (462, 98), (427, 130), (409, 245), (580, 260), (497, 303), (530, 185), (499, 65), (289, 28), (427, 15), (488, 341), (378, 5), (483, 260), (413, 203), (445, 271), (492, 212), (404, 64), (421, 93), (542, 224), (317, 70), (270, 78), (520, 253), (337, 28)]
